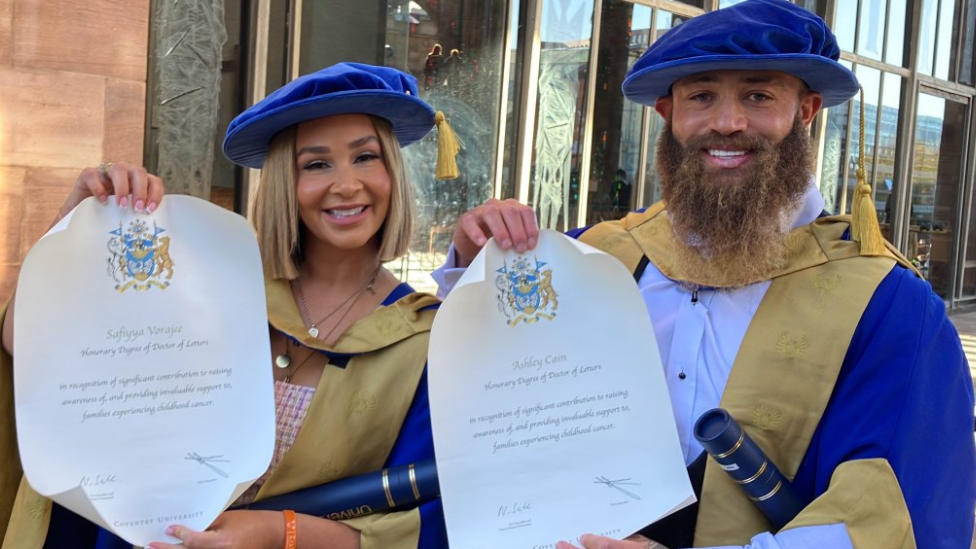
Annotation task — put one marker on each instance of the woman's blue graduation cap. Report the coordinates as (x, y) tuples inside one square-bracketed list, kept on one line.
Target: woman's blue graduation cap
[(344, 88), (773, 35)]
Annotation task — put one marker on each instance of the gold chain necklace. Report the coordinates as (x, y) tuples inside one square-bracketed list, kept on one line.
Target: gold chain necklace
[(313, 326)]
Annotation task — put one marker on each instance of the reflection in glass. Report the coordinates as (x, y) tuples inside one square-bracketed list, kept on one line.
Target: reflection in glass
[(454, 49), (885, 181), (926, 42), (895, 50), (870, 80), (871, 34), (555, 177), (652, 183), (945, 53), (939, 139), (616, 121), (845, 25), (728, 3)]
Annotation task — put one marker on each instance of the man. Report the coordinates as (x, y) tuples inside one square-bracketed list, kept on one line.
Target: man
[(835, 356)]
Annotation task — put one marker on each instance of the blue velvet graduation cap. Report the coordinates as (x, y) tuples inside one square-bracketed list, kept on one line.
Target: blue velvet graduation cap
[(344, 88), (771, 35)]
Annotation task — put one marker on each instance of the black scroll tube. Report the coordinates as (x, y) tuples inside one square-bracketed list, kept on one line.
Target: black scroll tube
[(390, 489), (745, 462)]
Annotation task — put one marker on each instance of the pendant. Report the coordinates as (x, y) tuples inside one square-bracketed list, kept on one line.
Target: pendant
[(282, 361), (313, 331)]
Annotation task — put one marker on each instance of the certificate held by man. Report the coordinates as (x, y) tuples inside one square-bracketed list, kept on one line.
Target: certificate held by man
[(142, 396), (549, 406)]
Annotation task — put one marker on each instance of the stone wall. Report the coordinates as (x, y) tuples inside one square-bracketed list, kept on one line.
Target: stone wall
[(72, 94)]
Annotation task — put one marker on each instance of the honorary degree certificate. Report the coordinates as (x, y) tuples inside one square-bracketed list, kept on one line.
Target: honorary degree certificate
[(141, 365), (549, 406)]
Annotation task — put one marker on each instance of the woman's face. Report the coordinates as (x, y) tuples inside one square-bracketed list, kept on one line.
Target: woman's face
[(343, 185)]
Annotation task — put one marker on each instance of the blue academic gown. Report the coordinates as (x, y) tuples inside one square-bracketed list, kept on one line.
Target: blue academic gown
[(904, 393), (415, 443)]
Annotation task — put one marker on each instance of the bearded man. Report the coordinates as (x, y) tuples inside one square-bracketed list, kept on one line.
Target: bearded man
[(833, 354)]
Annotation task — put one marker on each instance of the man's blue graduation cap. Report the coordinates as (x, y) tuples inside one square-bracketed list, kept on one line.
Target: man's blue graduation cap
[(773, 35)]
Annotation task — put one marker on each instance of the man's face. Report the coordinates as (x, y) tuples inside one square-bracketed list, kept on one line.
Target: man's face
[(724, 113), (735, 161)]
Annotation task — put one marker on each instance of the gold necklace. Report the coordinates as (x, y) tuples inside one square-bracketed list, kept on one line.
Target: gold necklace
[(313, 326), (283, 361)]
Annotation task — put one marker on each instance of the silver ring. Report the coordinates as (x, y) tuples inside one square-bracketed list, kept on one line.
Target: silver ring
[(104, 167)]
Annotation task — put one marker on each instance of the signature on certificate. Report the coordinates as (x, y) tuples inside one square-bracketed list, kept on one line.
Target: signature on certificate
[(616, 485), (208, 461)]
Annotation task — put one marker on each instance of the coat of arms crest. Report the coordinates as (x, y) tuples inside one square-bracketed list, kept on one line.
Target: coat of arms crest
[(526, 292), (139, 257)]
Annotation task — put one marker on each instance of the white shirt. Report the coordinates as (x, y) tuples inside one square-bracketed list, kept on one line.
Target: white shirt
[(701, 340)]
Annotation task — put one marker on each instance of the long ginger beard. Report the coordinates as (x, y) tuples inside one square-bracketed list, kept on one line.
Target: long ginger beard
[(731, 226)]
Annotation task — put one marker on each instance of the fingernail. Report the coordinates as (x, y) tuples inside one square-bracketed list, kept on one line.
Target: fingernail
[(103, 199), (532, 243), (520, 248), (140, 205), (481, 241), (170, 531), (124, 202), (506, 244), (151, 207)]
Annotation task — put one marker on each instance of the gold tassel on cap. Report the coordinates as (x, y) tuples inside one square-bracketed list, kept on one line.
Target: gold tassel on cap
[(864, 218), (448, 146)]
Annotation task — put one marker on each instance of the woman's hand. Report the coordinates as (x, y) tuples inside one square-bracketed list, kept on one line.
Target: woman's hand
[(232, 530), (590, 541), (262, 530), (131, 185)]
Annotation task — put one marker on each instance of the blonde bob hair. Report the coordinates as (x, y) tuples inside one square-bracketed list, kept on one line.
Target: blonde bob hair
[(275, 211)]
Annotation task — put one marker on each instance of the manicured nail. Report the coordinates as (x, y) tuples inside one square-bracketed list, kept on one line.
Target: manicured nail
[(151, 207), (103, 199), (170, 531), (124, 202), (506, 244), (140, 205)]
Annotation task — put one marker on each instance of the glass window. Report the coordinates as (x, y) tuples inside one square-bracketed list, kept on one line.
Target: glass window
[(871, 32), (560, 107), (885, 180), (835, 165), (966, 71), (652, 183), (454, 49), (936, 185), (870, 80), (895, 50), (617, 122), (729, 3), (845, 25), (945, 53), (513, 103), (696, 3), (926, 42)]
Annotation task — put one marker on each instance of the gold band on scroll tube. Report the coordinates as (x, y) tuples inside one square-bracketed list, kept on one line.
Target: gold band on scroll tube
[(386, 488), (770, 494), (413, 482), (733, 448), (753, 477)]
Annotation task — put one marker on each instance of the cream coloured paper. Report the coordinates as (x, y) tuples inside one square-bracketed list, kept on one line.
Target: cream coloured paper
[(143, 392), (549, 406)]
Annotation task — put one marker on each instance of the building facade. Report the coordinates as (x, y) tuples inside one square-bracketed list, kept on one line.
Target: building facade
[(532, 87)]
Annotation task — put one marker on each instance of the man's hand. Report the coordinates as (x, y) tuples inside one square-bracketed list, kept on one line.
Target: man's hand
[(591, 541), (512, 223)]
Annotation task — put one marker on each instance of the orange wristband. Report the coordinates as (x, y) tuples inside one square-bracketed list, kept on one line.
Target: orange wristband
[(291, 529)]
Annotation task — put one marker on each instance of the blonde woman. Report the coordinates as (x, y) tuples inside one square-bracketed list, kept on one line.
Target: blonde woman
[(348, 339)]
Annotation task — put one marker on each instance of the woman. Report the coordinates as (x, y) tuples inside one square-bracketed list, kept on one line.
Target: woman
[(349, 340)]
